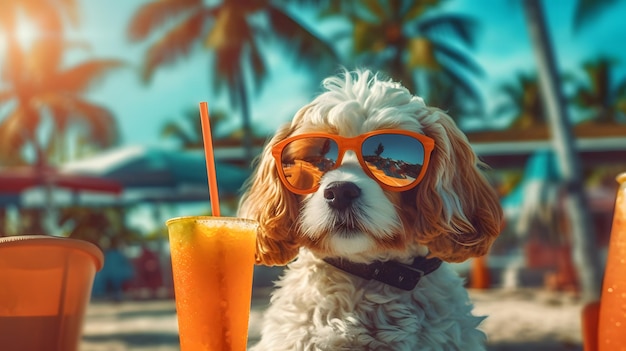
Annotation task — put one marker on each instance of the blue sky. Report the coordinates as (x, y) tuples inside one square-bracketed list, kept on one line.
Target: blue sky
[(502, 48)]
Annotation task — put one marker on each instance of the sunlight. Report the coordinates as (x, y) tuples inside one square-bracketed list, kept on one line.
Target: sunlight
[(25, 33)]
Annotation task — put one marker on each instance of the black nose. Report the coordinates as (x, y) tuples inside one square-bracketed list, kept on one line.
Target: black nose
[(339, 195)]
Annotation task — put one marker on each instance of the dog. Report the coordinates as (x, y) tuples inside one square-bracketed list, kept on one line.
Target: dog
[(363, 196)]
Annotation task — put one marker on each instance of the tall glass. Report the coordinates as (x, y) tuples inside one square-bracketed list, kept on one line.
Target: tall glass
[(212, 265), (612, 324)]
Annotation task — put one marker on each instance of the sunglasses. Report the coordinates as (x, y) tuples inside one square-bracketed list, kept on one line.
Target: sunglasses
[(396, 159)]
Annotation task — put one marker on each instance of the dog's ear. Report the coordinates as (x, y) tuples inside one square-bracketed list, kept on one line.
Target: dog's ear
[(275, 208), (459, 212)]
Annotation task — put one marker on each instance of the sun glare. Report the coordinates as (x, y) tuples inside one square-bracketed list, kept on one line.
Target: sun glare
[(24, 33)]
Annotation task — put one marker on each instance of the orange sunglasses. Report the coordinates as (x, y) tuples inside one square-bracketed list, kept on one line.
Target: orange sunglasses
[(396, 159)]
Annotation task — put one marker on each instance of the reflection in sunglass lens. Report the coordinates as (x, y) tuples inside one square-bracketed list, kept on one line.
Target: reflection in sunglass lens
[(304, 161), (394, 159)]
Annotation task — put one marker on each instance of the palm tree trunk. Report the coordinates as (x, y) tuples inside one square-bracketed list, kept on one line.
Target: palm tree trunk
[(584, 250), (245, 115)]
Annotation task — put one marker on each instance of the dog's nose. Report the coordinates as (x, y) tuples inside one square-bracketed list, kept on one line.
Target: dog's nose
[(339, 195)]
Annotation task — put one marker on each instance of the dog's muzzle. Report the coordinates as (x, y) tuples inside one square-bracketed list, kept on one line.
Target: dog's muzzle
[(340, 195)]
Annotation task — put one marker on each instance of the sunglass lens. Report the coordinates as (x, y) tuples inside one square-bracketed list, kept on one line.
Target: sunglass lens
[(304, 161), (394, 159)]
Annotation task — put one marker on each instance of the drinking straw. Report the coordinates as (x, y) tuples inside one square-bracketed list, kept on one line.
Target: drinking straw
[(215, 209), (210, 159)]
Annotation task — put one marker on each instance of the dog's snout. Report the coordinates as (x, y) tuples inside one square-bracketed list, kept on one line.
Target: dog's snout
[(339, 195)]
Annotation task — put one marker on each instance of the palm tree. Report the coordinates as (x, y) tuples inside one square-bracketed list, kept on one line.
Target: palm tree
[(603, 99), (584, 247), (47, 15), (401, 37), (444, 93), (37, 87), (524, 103), (189, 134), (233, 31), (379, 150)]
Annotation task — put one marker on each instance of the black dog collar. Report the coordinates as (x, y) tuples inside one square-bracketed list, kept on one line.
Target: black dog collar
[(399, 275)]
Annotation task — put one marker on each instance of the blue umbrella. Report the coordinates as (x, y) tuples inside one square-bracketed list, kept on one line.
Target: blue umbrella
[(159, 174)]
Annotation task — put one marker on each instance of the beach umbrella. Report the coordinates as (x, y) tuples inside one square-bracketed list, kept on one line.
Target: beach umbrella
[(15, 182), (155, 174), (17, 179)]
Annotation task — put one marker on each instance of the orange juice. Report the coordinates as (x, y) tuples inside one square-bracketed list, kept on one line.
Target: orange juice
[(612, 319), (212, 265)]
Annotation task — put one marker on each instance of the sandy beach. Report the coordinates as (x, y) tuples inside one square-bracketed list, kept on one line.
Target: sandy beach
[(518, 320)]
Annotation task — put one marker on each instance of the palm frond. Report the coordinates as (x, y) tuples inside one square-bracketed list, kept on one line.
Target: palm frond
[(584, 98), (343, 8), (6, 95), (153, 15), (588, 10), (46, 14), (44, 58), (421, 54), (368, 37), (464, 84), (505, 110), (460, 26), (442, 92), (309, 46), (13, 132), (100, 122), (173, 45), (375, 8), (175, 131), (81, 77), (458, 58), (14, 61), (231, 28), (70, 8), (511, 91), (417, 9), (67, 109)]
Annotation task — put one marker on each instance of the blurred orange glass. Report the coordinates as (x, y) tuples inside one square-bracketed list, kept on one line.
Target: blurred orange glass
[(212, 265), (612, 323), (45, 285)]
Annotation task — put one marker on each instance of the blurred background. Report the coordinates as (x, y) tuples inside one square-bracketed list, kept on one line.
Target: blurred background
[(100, 136)]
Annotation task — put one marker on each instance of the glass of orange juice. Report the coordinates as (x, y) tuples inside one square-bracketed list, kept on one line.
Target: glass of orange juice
[(212, 266), (612, 317)]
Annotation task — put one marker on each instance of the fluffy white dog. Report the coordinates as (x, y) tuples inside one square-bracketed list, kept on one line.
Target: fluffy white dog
[(369, 190)]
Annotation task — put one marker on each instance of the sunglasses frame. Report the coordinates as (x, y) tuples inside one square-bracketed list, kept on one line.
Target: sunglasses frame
[(354, 144)]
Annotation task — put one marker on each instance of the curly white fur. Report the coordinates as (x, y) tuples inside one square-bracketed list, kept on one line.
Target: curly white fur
[(453, 214), (318, 307)]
